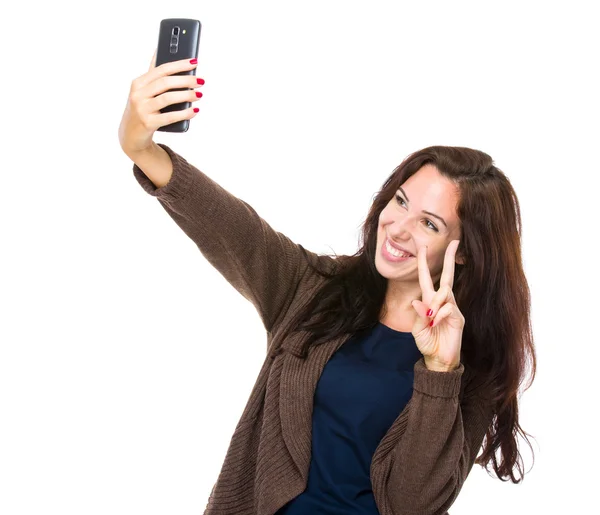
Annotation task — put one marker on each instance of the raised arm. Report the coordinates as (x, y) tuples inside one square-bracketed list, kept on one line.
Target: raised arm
[(262, 264)]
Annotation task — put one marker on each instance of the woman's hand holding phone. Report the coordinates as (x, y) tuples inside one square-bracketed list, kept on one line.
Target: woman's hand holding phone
[(142, 116)]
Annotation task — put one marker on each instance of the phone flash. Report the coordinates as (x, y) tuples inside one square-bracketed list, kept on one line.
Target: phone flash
[(184, 31)]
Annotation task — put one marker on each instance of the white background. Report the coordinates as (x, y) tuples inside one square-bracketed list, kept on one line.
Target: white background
[(126, 359)]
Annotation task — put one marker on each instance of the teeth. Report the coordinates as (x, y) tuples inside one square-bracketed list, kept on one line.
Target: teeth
[(395, 252)]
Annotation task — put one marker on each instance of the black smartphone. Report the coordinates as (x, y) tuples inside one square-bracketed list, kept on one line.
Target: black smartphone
[(178, 38)]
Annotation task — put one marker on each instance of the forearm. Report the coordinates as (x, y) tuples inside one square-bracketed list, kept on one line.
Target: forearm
[(155, 163), (440, 443)]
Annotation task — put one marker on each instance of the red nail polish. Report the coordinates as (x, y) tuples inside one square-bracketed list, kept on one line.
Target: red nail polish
[(193, 61), (198, 94), (196, 109), (429, 312), (431, 324), (200, 81)]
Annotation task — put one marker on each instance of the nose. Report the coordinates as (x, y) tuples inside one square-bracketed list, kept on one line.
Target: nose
[(401, 227)]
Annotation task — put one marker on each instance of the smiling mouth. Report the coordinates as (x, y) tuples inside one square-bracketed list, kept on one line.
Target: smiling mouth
[(391, 254), (395, 252)]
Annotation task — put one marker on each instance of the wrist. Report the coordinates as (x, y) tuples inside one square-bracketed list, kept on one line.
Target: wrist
[(439, 367), (140, 154), (156, 164)]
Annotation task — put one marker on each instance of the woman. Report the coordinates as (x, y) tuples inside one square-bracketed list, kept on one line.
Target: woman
[(384, 373)]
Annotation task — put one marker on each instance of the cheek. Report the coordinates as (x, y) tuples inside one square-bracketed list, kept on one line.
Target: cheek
[(437, 263), (385, 217)]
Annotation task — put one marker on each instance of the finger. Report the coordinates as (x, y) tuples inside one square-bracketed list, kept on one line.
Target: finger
[(443, 296), (447, 278), (153, 62), (420, 307), (424, 275), (172, 67), (444, 312), (422, 321), (164, 70)]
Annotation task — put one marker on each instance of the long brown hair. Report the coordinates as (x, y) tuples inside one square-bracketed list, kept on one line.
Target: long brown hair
[(490, 289)]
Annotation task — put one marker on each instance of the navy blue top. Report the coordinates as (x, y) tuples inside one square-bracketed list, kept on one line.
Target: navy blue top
[(363, 388)]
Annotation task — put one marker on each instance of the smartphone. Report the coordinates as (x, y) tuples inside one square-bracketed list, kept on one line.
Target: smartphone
[(178, 38)]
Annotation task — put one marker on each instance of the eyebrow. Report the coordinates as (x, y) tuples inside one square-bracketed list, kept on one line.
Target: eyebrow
[(428, 212)]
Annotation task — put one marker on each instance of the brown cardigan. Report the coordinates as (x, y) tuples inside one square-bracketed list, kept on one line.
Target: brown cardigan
[(422, 461)]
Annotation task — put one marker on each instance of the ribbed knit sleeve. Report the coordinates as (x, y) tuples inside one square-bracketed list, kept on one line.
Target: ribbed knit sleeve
[(439, 446), (262, 264)]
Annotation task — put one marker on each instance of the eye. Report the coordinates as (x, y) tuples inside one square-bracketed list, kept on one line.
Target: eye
[(399, 199)]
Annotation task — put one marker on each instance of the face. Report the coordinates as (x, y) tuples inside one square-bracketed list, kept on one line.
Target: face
[(404, 222)]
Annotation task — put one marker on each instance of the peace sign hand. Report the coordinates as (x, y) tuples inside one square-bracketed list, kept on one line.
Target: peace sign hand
[(440, 344)]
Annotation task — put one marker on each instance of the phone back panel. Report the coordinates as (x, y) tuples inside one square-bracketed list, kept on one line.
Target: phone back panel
[(178, 38)]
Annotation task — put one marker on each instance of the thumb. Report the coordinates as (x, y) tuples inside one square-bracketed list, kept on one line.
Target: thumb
[(153, 62), (420, 307)]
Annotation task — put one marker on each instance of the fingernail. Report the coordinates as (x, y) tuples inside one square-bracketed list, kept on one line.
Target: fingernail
[(200, 81), (429, 312), (431, 324), (193, 61)]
